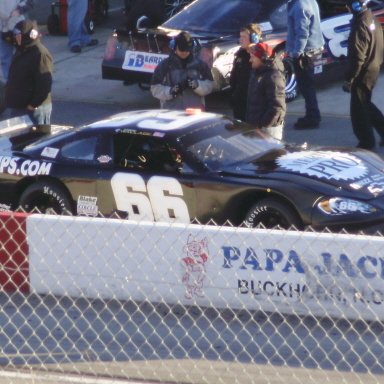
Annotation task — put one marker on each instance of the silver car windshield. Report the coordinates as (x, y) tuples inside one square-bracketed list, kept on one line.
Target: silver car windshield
[(217, 152)]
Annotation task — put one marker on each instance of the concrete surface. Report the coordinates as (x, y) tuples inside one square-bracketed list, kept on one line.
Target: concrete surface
[(77, 77)]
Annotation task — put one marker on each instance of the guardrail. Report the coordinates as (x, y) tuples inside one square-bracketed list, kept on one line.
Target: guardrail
[(189, 303)]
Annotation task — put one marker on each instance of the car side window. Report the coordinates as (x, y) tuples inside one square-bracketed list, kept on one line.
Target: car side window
[(83, 149), (145, 153)]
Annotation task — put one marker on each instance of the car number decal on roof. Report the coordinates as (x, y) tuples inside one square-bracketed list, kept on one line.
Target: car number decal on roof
[(157, 201), (26, 168), (323, 164), (142, 61)]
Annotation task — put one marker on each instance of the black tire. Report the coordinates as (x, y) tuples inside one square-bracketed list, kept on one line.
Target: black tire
[(272, 213), (291, 89), (53, 24), (46, 197)]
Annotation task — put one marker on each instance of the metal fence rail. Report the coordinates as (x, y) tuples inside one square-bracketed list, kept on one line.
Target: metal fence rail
[(98, 300)]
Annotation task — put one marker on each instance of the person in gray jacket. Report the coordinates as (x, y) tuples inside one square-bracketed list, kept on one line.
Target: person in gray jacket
[(266, 106), (182, 80), (11, 13)]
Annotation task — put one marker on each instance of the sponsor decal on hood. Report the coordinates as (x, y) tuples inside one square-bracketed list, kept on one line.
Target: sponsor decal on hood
[(324, 165)]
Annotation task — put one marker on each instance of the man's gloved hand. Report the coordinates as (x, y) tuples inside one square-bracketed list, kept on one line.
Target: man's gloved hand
[(347, 86), (193, 84), (176, 90), (303, 61)]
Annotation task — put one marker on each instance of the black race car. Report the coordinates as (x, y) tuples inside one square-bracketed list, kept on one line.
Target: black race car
[(132, 56), (189, 166)]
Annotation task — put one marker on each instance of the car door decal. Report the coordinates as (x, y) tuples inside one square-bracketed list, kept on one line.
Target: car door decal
[(336, 31), (158, 200)]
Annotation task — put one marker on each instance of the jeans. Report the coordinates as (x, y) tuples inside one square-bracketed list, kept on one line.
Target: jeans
[(40, 116), (77, 31), (6, 53), (306, 82)]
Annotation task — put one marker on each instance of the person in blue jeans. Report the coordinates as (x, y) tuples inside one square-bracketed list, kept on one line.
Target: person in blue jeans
[(78, 36), (305, 45)]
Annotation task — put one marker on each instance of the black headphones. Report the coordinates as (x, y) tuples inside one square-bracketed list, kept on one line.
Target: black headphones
[(172, 43)]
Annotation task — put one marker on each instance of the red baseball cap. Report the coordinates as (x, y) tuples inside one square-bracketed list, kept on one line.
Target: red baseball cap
[(261, 50)]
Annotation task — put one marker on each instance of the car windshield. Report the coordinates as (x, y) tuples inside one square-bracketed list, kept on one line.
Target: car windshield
[(226, 142), (227, 17)]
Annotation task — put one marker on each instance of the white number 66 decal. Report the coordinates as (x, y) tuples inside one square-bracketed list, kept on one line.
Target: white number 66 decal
[(161, 204)]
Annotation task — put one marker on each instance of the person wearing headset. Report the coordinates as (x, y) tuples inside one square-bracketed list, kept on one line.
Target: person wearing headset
[(241, 69), (182, 80), (364, 58), (28, 89), (266, 106), (11, 12)]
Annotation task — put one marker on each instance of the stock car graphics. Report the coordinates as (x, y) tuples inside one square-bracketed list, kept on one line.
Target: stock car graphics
[(190, 166), (132, 56)]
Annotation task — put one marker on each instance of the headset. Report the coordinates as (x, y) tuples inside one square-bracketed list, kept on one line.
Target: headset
[(357, 6), (172, 43), (254, 38)]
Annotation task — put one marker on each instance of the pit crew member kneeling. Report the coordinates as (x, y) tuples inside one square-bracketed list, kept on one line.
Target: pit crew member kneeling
[(182, 80)]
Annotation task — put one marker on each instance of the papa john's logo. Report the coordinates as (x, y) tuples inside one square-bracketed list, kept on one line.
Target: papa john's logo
[(193, 265)]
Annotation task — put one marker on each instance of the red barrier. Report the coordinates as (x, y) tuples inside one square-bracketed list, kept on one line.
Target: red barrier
[(14, 264)]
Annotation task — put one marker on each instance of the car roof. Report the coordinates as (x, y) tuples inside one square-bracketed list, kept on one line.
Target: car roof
[(158, 120)]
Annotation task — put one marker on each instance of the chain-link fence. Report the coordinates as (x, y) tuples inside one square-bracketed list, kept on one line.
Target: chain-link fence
[(88, 300)]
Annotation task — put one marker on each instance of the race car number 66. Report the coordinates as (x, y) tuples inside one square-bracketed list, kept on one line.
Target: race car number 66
[(161, 204)]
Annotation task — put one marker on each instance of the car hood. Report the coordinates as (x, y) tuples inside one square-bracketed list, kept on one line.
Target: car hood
[(351, 169)]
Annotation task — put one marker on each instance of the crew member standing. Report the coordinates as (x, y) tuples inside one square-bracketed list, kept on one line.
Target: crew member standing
[(182, 80), (365, 56), (266, 106), (241, 69), (28, 89), (304, 44), (11, 12)]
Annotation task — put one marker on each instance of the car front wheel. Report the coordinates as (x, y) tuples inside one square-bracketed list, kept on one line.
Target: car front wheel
[(272, 213), (46, 197)]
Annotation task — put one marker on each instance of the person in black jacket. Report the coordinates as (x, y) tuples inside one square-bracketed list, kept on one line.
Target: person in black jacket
[(365, 56), (28, 89), (266, 106), (241, 69)]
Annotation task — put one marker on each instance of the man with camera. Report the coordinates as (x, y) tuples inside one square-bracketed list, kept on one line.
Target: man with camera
[(182, 80)]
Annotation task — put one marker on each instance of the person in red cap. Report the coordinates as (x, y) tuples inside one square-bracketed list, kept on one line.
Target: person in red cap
[(266, 106)]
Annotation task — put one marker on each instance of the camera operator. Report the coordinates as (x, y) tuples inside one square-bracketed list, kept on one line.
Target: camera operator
[(181, 81)]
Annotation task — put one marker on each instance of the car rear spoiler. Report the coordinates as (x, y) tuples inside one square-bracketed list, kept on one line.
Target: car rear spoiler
[(17, 132)]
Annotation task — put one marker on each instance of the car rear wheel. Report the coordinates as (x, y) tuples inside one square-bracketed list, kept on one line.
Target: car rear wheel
[(272, 213), (46, 197), (291, 89)]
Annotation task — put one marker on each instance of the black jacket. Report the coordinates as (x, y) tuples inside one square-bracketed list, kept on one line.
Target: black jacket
[(266, 95), (238, 82), (30, 77), (365, 49)]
